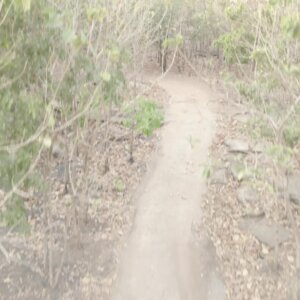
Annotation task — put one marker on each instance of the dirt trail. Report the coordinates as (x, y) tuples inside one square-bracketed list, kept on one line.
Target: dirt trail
[(163, 259)]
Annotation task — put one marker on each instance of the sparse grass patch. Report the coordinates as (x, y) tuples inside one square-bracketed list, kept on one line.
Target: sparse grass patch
[(258, 128)]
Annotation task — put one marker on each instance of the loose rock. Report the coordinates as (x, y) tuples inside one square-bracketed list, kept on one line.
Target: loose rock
[(57, 150), (270, 234), (247, 194), (294, 188), (236, 145)]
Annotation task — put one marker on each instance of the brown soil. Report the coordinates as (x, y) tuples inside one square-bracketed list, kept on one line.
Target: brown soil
[(165, 258)]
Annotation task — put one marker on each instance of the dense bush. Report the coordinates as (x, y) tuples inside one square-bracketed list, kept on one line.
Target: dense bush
[(261, 40), (59, 62)]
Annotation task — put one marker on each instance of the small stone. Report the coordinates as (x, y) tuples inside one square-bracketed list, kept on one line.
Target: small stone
[(247, 194), (57, 150), (271, 267), (236, 145), (294, 187), (219, 177)]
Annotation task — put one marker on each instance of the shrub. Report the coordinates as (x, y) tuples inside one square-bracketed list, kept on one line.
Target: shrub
[(145, 117)]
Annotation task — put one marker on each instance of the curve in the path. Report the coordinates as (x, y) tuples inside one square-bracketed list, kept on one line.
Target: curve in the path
[(163, 260)]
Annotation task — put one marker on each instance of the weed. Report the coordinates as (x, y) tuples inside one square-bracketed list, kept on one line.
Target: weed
[(258, 128), (120, 185), (207, 171), (145, 118), (242, 171), (291, 133)]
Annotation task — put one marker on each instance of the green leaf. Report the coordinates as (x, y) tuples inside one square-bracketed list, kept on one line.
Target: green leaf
[(207, 172)]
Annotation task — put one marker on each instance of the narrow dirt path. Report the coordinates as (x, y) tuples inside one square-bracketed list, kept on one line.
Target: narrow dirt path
[(163, 258)]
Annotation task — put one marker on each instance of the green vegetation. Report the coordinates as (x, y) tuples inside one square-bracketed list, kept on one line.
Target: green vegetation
[(259, 43), (60, 61), (63, 61), (120, 185), (148, 117), (145, 116)]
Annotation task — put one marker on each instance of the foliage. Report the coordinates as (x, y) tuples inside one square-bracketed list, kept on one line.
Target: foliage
[(52, 75), (145, 117), (207, 171), (148, 117), (259, 128), (173, 42), (242, 171), (233, 49), (265, 36)]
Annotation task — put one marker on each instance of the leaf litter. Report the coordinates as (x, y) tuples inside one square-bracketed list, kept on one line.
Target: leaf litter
[(252, 268)]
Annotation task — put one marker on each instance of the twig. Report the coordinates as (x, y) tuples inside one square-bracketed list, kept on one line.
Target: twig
[(9, 8), (59, 270), (79, 114), (189, 63), (5, 253)]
